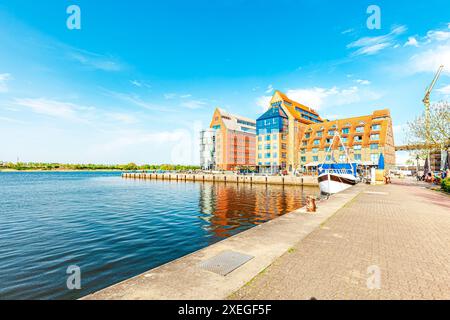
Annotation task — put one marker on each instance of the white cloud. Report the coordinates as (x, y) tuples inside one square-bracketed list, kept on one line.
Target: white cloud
[(4, 78), (373, 45), (269, 89), (363, 82), (430, 60), (123, 117), (10, 120), (319, 98), (444, 90), (95, 60), (411, 42), (52, 108), (437, 35), (193, 104), (347, 31), (263, 102)]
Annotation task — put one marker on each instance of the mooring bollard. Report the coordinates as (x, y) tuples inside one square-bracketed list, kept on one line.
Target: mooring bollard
[(311, 204)]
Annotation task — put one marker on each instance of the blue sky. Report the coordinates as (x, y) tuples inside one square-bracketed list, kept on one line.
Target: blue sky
[(144, 71)]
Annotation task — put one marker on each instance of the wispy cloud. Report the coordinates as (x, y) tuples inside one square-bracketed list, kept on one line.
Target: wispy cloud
[(193, 104), (348, 31), (269, 89), (53, 108), (140, 84), (320, 98), (263, 102), (10, 120), (95, 60), (444, 90), (363, 82), (4, 78), (373, 45)]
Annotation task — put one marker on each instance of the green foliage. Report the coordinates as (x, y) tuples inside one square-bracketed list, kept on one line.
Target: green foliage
[(445, 184), (21, 166)]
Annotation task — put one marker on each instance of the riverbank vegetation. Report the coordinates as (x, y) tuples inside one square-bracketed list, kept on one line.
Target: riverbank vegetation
[(28, 166)]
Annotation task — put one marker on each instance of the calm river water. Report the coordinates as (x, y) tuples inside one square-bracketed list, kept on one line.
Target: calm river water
[(114, 228)]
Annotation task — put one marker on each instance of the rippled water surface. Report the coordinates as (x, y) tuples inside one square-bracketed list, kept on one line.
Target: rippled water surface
[(114, 228)]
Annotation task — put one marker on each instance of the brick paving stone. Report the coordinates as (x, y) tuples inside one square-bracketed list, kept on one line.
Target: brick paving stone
[(405, 233)]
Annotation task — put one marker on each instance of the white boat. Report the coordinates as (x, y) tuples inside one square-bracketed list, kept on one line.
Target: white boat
[(334, 181), (337, 177)]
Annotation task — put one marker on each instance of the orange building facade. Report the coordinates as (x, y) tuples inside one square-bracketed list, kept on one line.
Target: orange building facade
[(365, 138), (235, 140)]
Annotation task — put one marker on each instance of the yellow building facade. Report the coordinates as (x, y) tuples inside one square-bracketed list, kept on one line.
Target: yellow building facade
[(292, 136)]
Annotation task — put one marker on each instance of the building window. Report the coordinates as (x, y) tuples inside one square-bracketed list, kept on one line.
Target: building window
[(267, 155), (358, 147), (374, 137), (275, 155), (374, 146), (376, 127), (259, 138), (341, 148), (303, 159), (268, 138), (320, 134), (304, 143), (342, 157), (303, 151), (359, 129), (267, 147), (315, 150), (259, 155), (316, 142), (328, 141), (259, 147), (283, 146), (274, 136), (374, 158), (358, 138), (357, 157), (315, 158), (345, 131), (345, 139), (283, 155), (308, 135), (331, 132)]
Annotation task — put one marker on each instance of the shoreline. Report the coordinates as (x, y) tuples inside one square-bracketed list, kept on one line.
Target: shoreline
[(184, 279)]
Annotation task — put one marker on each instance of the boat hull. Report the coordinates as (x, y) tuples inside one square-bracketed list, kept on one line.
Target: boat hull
[(331, 183)]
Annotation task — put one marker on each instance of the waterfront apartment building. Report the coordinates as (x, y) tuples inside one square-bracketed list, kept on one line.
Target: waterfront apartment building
[(292, 136), (364, 137), (279, 132), (234, 141)]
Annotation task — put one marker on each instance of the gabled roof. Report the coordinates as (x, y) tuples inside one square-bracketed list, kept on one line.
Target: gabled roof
[(273, 112), (291, 106)]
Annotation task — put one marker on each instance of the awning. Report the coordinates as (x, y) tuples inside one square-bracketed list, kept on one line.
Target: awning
[(312, 164)]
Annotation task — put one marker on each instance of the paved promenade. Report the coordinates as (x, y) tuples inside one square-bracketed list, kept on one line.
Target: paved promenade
[(395, 238)]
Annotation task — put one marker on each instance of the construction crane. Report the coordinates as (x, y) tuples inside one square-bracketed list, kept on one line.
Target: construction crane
[(426, 102)]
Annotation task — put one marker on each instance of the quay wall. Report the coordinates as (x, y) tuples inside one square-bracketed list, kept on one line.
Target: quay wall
[(228, 178)]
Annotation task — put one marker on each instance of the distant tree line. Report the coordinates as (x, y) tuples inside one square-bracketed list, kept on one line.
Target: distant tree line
[(22, 166)]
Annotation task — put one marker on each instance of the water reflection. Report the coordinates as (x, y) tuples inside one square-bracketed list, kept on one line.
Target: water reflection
[(230, 208)]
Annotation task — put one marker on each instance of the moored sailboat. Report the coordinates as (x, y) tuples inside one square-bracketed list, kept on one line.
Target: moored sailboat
[(337, 177)]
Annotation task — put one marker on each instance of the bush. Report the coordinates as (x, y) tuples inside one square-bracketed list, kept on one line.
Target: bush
[(446, 185)]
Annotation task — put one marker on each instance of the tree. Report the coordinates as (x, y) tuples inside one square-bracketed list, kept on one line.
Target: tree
[(439, 123)]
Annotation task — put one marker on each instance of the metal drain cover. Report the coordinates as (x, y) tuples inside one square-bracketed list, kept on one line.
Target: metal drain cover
[(225, 262)]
